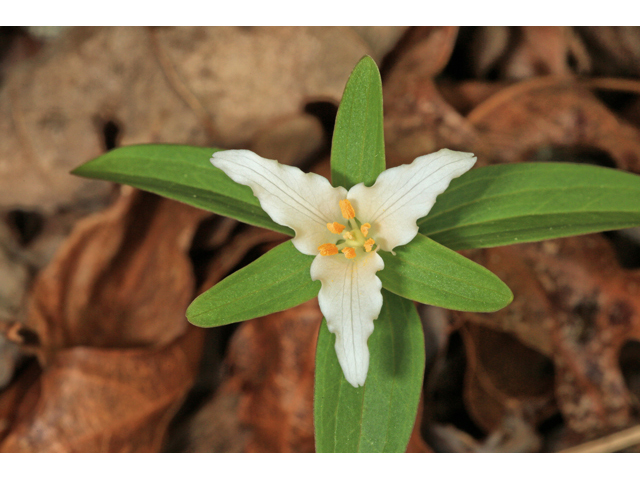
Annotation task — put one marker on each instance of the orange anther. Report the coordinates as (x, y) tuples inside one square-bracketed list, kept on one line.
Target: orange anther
[(327, 249), (349, 252), (364, 228), (368, 244), (347, 209), (335, 227)]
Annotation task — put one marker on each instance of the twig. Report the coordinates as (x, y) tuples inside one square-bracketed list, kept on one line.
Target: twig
[(609, 444)]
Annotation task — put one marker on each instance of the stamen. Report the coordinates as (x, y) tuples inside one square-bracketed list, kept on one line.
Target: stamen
[(335, 227), (369, 244), (349, 252), (327, 249), (364, 228), (347, 209), (348, 235)]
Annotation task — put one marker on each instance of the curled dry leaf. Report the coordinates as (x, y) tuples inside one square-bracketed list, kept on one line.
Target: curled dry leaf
[(424, 51), (93, 87), (524, 52), (545, 51), (266, 402), (122, 279), (465, 96), (575, 304), (112, 339), (105, 400), (614, 50), (505, 378), (529, 116), (417, 119)]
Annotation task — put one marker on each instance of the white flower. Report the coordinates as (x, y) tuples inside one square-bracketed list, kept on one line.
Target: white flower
[(344, 230)]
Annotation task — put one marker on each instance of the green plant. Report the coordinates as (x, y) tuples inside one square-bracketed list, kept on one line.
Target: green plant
[(485, 207)]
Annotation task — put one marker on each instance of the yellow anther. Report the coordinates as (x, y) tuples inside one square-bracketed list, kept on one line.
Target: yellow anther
[(364, 228), (368, 244), (327, 249), (347, 235), (349, 252), (335, 227), (347, 209)]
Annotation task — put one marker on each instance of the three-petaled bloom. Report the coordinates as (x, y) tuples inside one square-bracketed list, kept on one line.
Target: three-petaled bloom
[(344, 230)]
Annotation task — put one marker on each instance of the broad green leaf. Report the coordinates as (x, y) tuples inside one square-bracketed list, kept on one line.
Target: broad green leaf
[(357, 151), (278, 280), (427, 272), (378, 417), (182, 173), (528, 202)]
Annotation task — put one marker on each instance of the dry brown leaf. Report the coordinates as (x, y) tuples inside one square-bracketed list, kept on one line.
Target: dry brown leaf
[(486, 46), (503, 376), (106, 400), (231, 254), (514, 53), (381, 39), (520, 120), (108, 316), (290, 140), (465, 96), (277, 400), (613, 50), (545, 51), (187, 85), (424, 51), (123, 278), (13, 397), (512, 435), (574, 303), (537, 51), (417, 119), (266, 402)]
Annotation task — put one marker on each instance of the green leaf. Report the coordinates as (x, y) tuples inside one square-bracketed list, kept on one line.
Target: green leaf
[(427, 272), (357, 151), (528, 202), (182, 173), (278, 280), (378, 417)]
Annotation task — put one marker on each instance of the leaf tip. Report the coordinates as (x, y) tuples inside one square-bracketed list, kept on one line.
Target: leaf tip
[(80, 170), (193, 314), (507, 298)]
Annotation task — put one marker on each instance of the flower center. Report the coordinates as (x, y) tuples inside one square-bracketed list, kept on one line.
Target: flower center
[(353, 239)]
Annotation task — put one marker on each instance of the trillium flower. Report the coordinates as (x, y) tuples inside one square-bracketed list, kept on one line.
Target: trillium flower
[(345, 229)]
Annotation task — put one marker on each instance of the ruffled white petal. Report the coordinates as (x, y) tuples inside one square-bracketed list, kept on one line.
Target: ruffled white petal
[(305, 202), (404, 194), (350, 299)]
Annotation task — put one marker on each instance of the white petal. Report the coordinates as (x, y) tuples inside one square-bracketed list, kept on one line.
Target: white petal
[(350, 300), (403, 194), (305, 202)]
